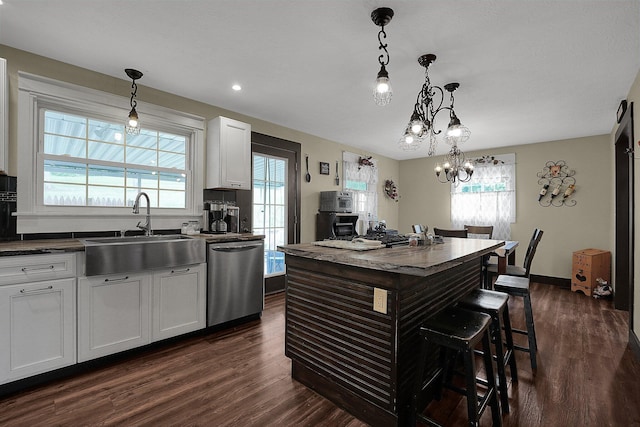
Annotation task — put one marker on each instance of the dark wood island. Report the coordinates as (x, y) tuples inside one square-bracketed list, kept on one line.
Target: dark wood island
[(360, 358)]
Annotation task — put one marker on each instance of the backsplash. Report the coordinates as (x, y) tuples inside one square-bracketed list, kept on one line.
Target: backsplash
[(8, 197)]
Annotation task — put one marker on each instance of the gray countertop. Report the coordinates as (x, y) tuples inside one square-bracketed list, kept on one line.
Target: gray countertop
[(412, 260), (44, 246)]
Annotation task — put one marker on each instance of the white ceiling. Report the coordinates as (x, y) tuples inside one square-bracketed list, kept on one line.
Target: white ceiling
[(529, 71)]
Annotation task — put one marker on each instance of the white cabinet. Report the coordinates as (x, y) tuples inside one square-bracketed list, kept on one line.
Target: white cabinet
[(121, 312), (113, 314), (37, 318), (228, 154), (179, 301)]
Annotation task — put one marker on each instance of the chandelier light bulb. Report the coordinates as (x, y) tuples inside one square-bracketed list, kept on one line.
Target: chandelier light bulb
[(382, 91), (408, 139)]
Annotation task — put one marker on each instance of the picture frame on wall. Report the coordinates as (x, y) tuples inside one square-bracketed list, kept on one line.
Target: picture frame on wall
[(324, 168)]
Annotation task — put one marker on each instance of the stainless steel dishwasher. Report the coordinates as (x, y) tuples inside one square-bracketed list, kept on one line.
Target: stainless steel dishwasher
[(235, 280)]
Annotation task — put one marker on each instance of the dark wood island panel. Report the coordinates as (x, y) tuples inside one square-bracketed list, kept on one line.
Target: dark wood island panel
[(359, 358)]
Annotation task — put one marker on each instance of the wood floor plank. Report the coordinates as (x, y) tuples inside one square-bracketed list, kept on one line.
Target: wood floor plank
[(587, 376)]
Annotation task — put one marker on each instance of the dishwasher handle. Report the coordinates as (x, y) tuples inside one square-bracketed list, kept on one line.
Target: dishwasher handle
[(233, 248)]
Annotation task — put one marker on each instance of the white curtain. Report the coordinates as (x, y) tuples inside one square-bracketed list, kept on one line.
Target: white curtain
[(489, 198), (362, 181)]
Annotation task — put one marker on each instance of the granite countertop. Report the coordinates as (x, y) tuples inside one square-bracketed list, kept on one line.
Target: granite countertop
[(412, 260), (50, 246)]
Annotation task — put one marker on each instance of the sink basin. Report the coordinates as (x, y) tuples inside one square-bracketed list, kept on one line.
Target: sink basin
[(114, 255), (135, 239)]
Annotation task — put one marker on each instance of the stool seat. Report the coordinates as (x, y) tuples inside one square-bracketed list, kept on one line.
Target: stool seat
[(459, 330), (519, 287), (488, 300), (494, 304)]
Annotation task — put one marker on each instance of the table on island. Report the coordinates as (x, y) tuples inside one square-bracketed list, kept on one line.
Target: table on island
[(362, 359)]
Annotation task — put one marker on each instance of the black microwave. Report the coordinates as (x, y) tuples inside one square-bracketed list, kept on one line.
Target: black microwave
[(336, 201)]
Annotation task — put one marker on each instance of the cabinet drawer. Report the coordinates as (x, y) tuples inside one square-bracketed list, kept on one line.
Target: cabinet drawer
[(32, 268)]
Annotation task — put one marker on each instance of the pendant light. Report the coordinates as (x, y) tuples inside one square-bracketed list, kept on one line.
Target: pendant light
[(382, 91), (133, 124)]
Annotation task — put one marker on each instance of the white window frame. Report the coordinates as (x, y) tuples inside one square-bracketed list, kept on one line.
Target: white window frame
[(34, 92)]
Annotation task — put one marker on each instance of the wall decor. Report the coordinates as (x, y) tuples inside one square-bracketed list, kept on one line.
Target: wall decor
[(324, 168), (558, 185), (365, 161), (391, 190)]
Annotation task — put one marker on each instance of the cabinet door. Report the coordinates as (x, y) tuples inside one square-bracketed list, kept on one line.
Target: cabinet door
[(228, 154), (37, 328), (179, 301), (113, 314)]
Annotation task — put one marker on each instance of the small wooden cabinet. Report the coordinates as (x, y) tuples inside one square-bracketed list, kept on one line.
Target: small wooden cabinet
[(228, 154), (589, 265)]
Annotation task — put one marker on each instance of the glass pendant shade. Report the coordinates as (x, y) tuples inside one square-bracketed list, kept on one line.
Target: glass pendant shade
[(382, 92), (133, 124)]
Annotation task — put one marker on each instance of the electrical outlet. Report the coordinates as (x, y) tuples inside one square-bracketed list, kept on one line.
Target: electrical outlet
[(380, 300)]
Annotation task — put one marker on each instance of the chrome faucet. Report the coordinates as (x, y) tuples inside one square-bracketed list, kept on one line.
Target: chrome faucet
[(136, 209)]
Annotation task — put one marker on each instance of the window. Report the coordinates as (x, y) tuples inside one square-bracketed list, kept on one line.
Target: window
[(361, 181), (79, 170), (489, 198), (89, 162), (270, 208)]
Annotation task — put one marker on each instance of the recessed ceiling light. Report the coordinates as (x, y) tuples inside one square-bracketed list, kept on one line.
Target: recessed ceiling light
[(235, 87)]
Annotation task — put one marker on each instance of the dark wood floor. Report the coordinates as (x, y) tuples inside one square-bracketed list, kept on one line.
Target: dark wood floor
[(587, 376)]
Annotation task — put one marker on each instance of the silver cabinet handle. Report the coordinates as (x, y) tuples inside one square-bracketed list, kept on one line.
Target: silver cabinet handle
[(26, 291), (186, 270), (120, 279), (26, 269)]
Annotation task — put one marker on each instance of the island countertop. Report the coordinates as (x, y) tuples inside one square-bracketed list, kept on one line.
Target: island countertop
[(411, 260)]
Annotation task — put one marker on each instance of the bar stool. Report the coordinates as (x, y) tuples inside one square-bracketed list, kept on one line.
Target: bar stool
[(519, 287), (495, 305), (458, 330)]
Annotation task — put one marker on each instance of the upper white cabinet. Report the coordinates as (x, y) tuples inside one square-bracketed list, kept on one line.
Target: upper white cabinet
[(228, 154)]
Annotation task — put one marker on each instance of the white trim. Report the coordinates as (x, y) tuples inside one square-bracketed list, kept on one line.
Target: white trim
[(4, 116), (33, 92)]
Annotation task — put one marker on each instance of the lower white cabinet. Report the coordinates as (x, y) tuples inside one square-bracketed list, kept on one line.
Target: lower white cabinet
[(179, 301), (121, 312), (37, 327), (113, 314)]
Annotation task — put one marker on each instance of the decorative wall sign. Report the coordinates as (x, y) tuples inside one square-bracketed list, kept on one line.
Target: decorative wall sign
[(558, 184), (324, 168)]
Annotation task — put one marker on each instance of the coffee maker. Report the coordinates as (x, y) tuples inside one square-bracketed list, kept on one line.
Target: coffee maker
[(217, 213), (232, 219)]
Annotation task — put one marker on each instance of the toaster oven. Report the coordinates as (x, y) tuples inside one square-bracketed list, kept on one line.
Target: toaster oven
[(336, 201)]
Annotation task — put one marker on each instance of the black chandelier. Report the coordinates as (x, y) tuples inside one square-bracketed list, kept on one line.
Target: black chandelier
[(133, 124), (455, 167), (428, 104), (382, 91)]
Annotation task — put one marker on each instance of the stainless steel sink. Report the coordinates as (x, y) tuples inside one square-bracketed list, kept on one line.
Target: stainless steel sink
[(113, 255), (135, 239)]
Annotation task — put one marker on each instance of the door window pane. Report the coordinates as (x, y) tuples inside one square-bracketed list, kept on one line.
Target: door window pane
[(270, 208)]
